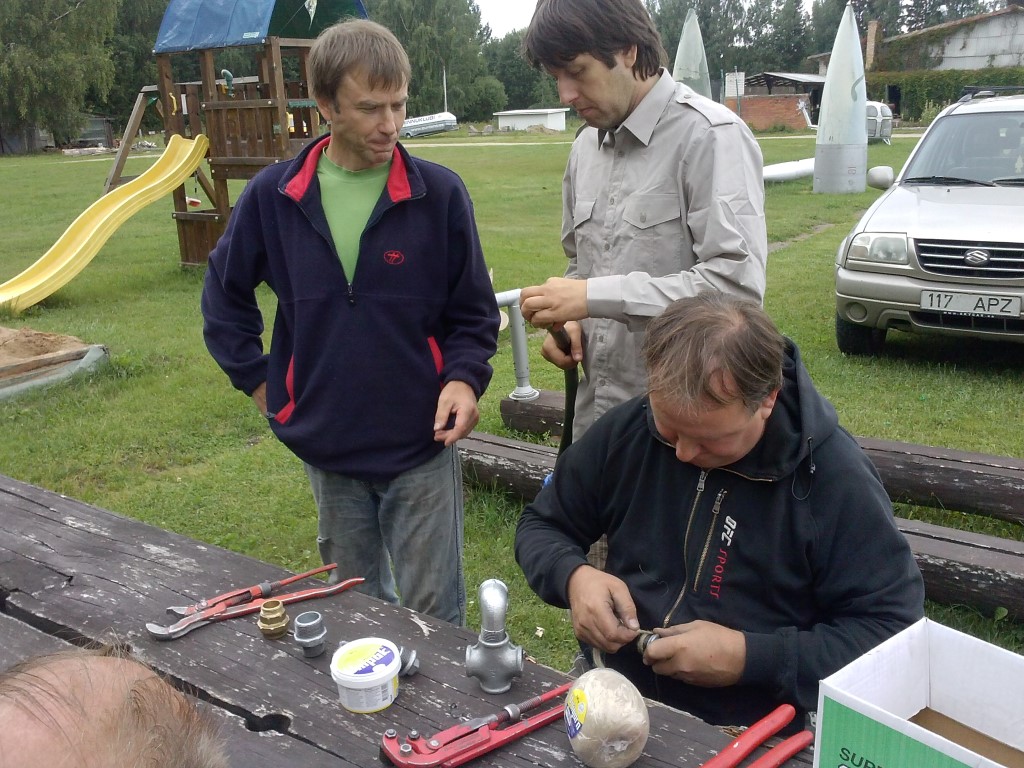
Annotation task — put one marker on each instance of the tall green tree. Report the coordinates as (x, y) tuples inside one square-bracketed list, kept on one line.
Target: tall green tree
[(525, 86), (825, 18), (791, 37), (774, 38), (719, 21), (131, 48), (443, 39), (54, 63)]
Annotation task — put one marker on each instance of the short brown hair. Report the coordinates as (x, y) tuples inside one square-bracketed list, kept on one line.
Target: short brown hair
[(561, 30), (356, 45), (695, 340)]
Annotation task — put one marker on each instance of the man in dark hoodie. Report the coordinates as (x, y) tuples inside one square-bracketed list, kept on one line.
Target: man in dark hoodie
[(386, 321), (746, 528)]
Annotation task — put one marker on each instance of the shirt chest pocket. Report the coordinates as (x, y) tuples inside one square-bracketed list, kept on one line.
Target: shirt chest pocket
[(645, 212), (652, 231), (582, 212)]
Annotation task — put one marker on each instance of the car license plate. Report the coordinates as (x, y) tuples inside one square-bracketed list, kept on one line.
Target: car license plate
[(971, 303)]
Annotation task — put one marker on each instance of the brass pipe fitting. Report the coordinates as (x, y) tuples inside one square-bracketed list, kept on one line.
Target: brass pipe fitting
[(273, 621)]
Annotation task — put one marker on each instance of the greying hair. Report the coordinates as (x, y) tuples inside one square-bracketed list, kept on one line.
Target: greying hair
[(695, 341), (352, 46), (561, 30), (147, 722)]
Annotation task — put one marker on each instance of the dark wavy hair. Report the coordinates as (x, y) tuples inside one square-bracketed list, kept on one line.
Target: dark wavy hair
[(561, 30)]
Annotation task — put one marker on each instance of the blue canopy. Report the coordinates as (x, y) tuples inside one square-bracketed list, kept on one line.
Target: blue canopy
[(196, 24)]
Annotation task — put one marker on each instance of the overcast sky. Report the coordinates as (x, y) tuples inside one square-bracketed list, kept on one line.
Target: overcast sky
[(505, 15)]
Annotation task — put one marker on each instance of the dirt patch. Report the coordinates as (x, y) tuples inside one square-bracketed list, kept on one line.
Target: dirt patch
[(772, 247), (19, 345)]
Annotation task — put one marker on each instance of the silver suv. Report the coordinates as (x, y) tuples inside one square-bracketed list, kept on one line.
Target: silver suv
[(942, 250)]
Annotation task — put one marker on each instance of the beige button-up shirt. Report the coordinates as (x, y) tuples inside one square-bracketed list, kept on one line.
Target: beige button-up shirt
[(669, 204)]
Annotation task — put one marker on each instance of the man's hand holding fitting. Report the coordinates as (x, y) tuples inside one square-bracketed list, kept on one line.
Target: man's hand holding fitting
[(698, 653), (603, 613), (557, 301)]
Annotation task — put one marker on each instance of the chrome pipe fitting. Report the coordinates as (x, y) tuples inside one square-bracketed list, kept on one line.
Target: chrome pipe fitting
[(494, 660)]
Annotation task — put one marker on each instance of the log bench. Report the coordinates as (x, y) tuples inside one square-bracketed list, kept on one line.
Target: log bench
[(985, 572), (923, 475), (72, 573)]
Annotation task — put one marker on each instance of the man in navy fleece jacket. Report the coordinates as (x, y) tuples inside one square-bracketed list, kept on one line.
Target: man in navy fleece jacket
[(386, 321)]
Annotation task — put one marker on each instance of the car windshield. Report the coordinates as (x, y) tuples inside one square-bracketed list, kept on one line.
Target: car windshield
[(979, 147)]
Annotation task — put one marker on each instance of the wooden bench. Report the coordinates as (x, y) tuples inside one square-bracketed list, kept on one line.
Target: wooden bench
[(978, 483), (959, 567), (71, 572)]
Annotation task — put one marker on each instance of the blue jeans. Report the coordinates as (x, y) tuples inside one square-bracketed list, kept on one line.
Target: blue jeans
[(403, 536)]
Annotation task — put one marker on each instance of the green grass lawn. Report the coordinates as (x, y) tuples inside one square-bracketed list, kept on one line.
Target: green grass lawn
[(162, 437)]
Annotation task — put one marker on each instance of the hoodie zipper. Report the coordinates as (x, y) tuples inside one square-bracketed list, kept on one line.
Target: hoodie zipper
[(715, 511), (711, 530), (686, 542)]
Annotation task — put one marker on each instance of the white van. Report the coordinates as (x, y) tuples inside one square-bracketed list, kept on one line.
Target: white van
[(428, 124)]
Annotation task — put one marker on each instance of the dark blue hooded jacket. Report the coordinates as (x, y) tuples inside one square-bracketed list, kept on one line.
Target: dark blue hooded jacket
[(356, 363), (795, 545)]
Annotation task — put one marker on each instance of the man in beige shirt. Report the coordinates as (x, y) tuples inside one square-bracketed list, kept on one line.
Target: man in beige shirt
[(662, 198)]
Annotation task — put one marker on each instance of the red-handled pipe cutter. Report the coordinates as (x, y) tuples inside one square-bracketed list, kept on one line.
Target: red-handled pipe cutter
[(738, 749), (241, 602), (473, 738)]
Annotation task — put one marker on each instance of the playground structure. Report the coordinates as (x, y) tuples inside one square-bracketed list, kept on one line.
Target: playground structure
[(251, 122)]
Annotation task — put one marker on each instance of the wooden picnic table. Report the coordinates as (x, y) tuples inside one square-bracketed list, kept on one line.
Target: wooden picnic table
[(71, 572)]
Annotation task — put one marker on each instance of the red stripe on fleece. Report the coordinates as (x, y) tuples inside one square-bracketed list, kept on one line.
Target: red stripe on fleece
[(297, 187), (398, 178), (435, 350), (285, 413)]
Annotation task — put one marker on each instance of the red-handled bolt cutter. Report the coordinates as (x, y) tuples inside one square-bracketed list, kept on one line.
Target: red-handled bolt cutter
[(241, 602), (738, 749), (473, 738)]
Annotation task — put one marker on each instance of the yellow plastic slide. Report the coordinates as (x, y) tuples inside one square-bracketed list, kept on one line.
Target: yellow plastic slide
[(87, 234)]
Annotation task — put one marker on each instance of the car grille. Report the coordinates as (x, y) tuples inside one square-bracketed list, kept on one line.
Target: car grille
[(1011, 326), (947, 258)]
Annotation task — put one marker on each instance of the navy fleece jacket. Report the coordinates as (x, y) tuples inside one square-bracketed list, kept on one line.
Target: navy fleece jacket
[(795, 545), (356, 362)]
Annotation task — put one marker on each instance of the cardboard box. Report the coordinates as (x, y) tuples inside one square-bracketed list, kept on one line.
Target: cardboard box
[(929, 697)]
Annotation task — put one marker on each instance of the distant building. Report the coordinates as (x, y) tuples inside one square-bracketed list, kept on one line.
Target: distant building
[(23, 141), (994, 39), (772, 100), (522, 119)]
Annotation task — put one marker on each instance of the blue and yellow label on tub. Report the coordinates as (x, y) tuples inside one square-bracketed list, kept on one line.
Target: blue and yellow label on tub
[(575, 712), (365, 658)]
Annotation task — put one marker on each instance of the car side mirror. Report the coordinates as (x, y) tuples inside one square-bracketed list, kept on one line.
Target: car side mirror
[(880, 177)]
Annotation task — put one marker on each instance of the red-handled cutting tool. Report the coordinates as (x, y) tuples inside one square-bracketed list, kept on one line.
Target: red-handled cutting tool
[(738, 749), (467, 741), (241, 602)]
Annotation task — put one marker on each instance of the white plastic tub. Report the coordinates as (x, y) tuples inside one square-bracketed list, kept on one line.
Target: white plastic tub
[(366, 672)]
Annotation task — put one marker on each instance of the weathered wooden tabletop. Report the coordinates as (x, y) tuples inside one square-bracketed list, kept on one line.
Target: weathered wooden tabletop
[(70, 571)]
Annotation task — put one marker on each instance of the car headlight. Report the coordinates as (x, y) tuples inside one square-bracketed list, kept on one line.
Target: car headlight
[(882, 247)]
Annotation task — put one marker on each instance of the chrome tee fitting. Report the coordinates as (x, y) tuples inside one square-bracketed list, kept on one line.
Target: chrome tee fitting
[(494, 660)]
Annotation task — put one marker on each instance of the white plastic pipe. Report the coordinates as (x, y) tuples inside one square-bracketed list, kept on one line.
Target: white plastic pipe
[(520, 351)]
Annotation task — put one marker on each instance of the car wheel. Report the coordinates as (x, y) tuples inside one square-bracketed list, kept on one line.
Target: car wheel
[(855, 339)]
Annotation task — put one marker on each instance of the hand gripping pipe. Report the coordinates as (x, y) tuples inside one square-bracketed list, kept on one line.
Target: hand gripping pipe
[(494, 660)]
